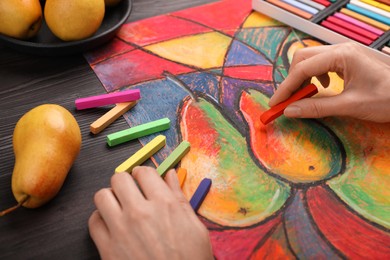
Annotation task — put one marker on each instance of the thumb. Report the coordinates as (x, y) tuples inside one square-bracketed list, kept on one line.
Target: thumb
[(317, 107)]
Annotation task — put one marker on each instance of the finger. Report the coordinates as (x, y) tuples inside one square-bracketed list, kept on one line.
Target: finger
[(151, 183), (318, 107), (107, 205), (98, 230), (173, 183), (305, 53), (314, 66), (126, 190)]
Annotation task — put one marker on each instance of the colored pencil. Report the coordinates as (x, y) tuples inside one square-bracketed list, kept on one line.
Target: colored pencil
[(345, 32), (365, 19), (359, 23), (291, 9), (352, 28)]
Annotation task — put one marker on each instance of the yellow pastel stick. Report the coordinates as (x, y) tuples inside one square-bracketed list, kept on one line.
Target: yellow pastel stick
[(181, 175), (142, 154), (109, 117), (365, 19), (377, 4)]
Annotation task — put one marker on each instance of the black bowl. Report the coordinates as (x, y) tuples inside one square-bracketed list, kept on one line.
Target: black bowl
[(47, 44)]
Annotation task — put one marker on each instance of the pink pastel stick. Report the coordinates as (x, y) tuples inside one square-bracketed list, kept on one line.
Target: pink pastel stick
[(107, 99), (359, 23)]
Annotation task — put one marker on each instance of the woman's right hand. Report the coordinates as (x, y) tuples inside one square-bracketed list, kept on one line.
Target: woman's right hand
[(366, 93)]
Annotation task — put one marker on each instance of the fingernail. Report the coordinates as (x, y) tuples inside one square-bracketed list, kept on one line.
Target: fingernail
[(293, 111)]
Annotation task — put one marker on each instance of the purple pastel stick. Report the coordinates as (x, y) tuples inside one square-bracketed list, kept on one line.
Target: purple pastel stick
[(200, 194), (108, 99)]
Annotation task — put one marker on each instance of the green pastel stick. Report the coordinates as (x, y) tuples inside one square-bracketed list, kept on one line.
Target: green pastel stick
[(173, 159), (138, 131)]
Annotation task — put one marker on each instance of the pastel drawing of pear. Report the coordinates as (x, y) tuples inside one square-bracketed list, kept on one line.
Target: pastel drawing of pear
[(46, 142)]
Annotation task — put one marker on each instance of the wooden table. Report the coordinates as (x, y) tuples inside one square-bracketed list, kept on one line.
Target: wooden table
[(59, 230)]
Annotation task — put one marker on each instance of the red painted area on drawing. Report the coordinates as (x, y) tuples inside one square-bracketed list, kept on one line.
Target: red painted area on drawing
[(353, 236)]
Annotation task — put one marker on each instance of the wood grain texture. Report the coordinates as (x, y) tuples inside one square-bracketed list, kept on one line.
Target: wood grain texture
[(59, 230)]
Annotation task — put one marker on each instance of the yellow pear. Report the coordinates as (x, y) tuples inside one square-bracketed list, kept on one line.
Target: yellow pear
[(72, 20), (46, 142), (111, 3), (20, 19)]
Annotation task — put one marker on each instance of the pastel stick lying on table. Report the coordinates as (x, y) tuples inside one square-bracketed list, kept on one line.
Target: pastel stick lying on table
[(138, 131), (181, 175), (276, 111), (174, 158), (200, 194), (142, 154), (109, 117), (108, 99)]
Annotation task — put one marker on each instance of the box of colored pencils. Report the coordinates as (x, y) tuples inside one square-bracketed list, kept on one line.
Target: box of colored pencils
[(366, 22)]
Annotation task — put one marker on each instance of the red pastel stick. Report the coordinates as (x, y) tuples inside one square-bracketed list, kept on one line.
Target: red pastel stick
[(276, 111), (343, 31), (352, 27), (323, 2)]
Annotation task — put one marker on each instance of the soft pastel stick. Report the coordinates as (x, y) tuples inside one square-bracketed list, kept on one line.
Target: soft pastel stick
[(109, 117), (301, 6), (365, 19), (359, 23), (371, 8), (174, 158), (352, 27), (377, 4), (368, 13), (138, 131), (276, 111), (142, 154), (291, 9), (323, 2), (181, 175), (387, 2), (313, 4), (200, 194), (386, 50), (346, 32), (108, 99)]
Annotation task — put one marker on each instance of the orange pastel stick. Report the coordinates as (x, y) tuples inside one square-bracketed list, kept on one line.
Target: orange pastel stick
[(181, 175), (291, 8), (276, 111)]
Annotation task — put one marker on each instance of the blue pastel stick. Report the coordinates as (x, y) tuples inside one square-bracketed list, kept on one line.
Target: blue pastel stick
[(301, 6), (368, 13), (200, 194)]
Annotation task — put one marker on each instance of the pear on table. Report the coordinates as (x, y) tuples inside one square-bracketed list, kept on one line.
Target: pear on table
[(46, 142)]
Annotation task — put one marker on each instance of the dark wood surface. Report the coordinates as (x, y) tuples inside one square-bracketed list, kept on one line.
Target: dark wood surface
[(58, 230)]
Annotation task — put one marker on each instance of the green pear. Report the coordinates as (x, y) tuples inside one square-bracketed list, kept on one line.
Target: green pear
[(20, 19), (46, 142)]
